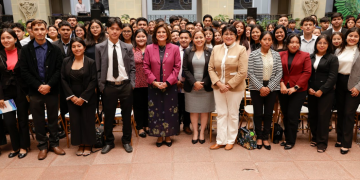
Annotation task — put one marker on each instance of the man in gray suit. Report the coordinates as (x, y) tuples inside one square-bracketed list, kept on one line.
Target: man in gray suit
[(116, 79)]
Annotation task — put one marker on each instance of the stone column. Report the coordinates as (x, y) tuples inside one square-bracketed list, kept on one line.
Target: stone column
[(43, 10)]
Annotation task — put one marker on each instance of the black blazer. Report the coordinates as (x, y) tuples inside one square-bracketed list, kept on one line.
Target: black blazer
[(329, 32), (59, 44), (8, 77), (325, 76), (30, 71), (188, 70), (89, 78)]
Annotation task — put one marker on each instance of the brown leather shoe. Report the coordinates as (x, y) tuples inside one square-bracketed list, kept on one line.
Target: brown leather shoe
[(187, 130), (229, 147), (57, 150), (42, 154), (216, 146)]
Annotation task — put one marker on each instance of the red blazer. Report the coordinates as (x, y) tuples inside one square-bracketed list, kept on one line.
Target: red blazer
[(300, 70), (171, 63)]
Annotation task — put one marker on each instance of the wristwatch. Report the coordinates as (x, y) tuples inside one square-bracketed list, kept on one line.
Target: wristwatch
[(296, 87)]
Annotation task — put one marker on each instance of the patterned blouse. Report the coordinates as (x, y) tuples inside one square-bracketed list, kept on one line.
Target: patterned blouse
[(140, 80)]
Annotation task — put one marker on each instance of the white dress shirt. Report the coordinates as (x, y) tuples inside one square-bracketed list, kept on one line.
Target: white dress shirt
[(80, 8), (222, 78), (27, 40), (346, 59), (180, 78), (317, 61), (308, 46), (122, 72)]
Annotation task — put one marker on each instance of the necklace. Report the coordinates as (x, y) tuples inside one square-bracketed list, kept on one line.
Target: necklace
[(162, 48)]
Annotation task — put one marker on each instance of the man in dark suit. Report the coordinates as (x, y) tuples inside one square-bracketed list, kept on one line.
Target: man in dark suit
[(40, 65), (336, 22), (116, 79), (98, 5), (64, 45)]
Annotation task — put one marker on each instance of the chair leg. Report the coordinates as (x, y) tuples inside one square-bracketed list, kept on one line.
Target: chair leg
[(356, 127), (134, 126), (66, 131), (210, 128), (31, 132)]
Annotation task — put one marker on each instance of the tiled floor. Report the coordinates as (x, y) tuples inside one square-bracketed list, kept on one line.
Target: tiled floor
[(186, 161)]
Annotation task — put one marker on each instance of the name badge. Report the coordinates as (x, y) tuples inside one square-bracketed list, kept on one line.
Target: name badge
[(233, 74), (231, 56)]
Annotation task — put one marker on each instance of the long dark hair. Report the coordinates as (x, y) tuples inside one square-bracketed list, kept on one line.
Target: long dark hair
[(13, 34), (135, 34), (344, 44), (327, 39), (132, 32), (213, 36), (253, 45), (342, 39), (90, 41), (275, 41), (290, 36), (243, 39), (82, 27)]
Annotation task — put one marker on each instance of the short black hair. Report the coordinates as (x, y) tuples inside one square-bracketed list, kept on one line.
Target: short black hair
[(349, 16), (283, 15), (195, 22), (174, 31), (292, 22), (290, 36), (337, 14), (185, 31), (115, 20), (324, 19), (215, 24), (29, 21), (207, 16), (229, 28), (132, 19), (17, 25), (142, 19), (173, 18), (157, 21), (64, 23), (79, 40), (309, 18), (189, 23), (328, 40), (71, 16)]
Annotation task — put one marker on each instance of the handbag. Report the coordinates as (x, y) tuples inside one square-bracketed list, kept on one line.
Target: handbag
[(246, 138), (100, 140), (278, 133)]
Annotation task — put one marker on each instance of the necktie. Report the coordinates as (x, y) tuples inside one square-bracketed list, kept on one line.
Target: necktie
[(115, 63)]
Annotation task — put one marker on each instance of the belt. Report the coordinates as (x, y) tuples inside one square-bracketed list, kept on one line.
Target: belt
[(118, 83)]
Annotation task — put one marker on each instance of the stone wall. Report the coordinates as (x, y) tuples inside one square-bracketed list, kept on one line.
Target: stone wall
[(43, 10), (216, 7), (120, 7)]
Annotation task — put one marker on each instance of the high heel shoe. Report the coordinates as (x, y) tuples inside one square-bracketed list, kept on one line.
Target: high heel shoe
[(283, 143), (143, 134), (159, 144), (201, 141), (258, 146), (267, 147), (13, 154), (168, 143), (338, 145), (20, 155), (195, 141), (287, 147)]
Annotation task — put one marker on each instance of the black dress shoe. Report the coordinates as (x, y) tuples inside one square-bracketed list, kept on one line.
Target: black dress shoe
[(344, 152), (159, 144), (338, 145), (168, 143), (258, 146), (143, 135), (201, 141), (267, 147), (147, 132), (11, 155), (283, 143), (195, 141), (20, 156), (107, 149), (287, 147), (61, 135), (128, 148)]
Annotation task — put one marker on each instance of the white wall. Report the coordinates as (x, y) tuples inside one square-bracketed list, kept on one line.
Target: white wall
[(73, 5), (263, 6), (7, 7)]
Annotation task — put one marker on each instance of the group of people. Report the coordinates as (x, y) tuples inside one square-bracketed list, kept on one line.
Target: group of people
[(169, 74)]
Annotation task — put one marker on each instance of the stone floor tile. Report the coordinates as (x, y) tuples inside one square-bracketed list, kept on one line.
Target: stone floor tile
[(153, 154), (277, 153), (31, 160), (237, 170), (64, 172), (115, 156), (26, 173), (70, 159), (279, 170), (237, 154), (109, 171), (156, 171), (195, 171), (304, 152), (351, 167), (192, 154), (322, 170)]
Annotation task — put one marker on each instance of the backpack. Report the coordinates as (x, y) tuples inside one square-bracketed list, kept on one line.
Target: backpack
[(278, 133)]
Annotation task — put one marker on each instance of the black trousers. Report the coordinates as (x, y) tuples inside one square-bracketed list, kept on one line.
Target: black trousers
[(19, 136), (37, 109), (290, 107), (182, 113), (110, 98), (319, 117), (263, 111), (63, 105), (346, 111), (141, 107)]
